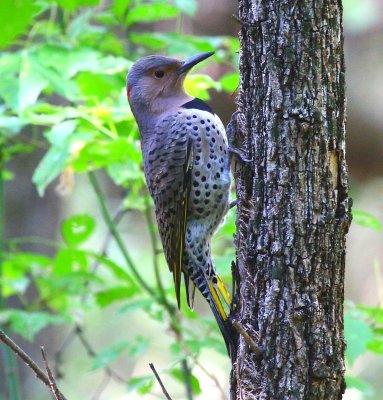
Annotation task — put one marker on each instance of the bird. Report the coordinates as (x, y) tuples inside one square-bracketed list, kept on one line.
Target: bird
[(187, 169)]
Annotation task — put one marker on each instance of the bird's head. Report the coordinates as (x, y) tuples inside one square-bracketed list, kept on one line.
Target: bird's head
[(155, 83)]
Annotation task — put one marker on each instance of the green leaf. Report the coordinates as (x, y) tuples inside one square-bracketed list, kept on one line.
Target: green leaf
[(77, 229), (230, 82), (179, 376), (9, 82), (151, 12), (373, 313), (366, 219), (54, 160), (28, 324), (352, 382), (70, 260), (142, 384), (376, 345), (197, 85), (15, 17), (358, 334), (120, 7), (105, 357), (72, 5), (118, 293)]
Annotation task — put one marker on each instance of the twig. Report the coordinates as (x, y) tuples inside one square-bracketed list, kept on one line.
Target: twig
[(28, 361), (52, 383), (248, 339), (164, 391), (117, 237)]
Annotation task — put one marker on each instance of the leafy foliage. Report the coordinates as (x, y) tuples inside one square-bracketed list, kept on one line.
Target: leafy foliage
[(63, 89)]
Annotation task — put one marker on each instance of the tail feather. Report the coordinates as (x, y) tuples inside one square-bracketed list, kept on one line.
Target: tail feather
[(222, 321)]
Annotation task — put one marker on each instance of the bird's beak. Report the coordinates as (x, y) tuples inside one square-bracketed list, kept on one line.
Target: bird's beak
[(192, 61)]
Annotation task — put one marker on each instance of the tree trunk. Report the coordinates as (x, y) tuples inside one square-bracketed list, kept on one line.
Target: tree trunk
[(293, 205)]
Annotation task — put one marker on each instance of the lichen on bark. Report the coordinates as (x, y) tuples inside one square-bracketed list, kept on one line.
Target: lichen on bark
[(293, 209)]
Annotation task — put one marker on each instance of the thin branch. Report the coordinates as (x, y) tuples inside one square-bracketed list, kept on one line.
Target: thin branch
[(248, 339), (116, 235), (52, 383), (164, 391), (27, 360)]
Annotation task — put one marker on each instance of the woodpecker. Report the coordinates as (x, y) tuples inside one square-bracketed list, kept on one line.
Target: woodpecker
[(187, 168)]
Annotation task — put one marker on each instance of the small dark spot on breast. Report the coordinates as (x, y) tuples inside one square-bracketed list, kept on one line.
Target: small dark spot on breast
[(217, 175), (213, 140), (202, 121), (197, 193), (195, 184), (203, 179), (215, 186), (207, 129), (197, 173), (200, 210), (194, 116), (208, 165), (195, 128)]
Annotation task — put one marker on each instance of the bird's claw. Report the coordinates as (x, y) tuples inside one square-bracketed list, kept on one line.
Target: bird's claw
[(238, 153)]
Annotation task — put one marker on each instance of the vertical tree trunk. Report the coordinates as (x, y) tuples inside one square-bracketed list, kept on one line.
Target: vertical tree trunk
[(293, 204)]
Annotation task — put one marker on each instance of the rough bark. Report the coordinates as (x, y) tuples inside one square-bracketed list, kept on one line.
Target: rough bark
[(293, 205)]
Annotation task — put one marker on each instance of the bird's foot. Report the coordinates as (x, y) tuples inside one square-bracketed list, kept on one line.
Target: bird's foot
[(239, 154)]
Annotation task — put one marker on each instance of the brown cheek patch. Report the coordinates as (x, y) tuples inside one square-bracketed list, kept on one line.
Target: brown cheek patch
[(128, 90)]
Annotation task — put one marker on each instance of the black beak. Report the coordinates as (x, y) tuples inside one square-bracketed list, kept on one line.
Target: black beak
[(192, 61)]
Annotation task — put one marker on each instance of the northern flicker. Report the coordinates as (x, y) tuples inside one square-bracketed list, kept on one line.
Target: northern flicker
[(186, 164)]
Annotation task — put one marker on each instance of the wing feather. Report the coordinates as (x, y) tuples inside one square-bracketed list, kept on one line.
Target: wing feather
[(168, 171)]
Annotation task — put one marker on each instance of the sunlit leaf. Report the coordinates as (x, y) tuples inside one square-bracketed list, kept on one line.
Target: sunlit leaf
[(198, 85), (54, 160), (230, 82), (70, 260), (179, 376), (28, 324), (358, 334), (78, 228), (118, 293), (151, 12), (72, 5), (141, 385), (366, 219), (15, 17)]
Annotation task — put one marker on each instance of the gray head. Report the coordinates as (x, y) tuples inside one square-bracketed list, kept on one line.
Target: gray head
[(155, 84)]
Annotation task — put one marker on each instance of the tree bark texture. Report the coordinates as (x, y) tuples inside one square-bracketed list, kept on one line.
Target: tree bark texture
[(293, 209)]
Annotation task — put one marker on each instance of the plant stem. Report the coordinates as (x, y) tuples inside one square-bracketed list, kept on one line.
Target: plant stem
[(9, 360), (117, 237)]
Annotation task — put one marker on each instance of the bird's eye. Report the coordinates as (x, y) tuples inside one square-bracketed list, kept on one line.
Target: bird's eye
[(159, 74)]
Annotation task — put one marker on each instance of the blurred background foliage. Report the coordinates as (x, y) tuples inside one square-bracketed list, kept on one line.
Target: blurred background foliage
[(82, 270)]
